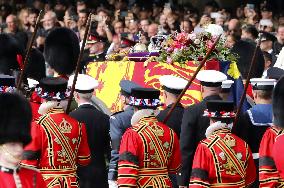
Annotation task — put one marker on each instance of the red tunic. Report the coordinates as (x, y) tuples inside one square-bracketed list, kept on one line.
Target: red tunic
[(149, 151), (268, 174), (222, 160), (278, 156), (58, 144), (35, 102), (29, 178)]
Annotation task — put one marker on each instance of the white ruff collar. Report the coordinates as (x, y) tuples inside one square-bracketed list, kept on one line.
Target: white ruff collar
[(216, 126), (143, 113)]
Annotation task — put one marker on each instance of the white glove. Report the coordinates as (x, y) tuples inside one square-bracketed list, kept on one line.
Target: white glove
[(112, 184)]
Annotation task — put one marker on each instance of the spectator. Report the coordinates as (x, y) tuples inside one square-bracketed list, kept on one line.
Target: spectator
[(81, 5), (82, 18), (278, 45), (152, 30), (186, 26), (49, 20), (144, 24), (249, 32), (33, 14), (23, 19), (267, 63)]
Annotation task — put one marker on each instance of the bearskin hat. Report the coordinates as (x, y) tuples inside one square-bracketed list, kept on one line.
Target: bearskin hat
[(36, 65), (244, 50), (62, 50), (15, 120), (9, 49), (278, 103)]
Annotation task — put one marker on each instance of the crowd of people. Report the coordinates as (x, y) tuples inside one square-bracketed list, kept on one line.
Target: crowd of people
[(198, 146)]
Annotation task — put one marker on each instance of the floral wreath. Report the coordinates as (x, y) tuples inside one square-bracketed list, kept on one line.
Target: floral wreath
[(217, 114), (7, 89), (52, 95)]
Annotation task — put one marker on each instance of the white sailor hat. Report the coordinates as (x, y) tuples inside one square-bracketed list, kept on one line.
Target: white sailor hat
[(211, 78), (172, 84), (84, 84), (226, 85), (262, 83)]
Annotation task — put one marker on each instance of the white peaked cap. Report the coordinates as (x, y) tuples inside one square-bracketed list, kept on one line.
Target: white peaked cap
[(227, 84), (32, 83), (214, 29), (84, 84), (262, 83), (211, 78), (172, 84)]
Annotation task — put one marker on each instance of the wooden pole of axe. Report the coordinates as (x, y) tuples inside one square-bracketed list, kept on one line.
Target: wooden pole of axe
[(29, 51), (191, 79), (78, 62), (251, 68)]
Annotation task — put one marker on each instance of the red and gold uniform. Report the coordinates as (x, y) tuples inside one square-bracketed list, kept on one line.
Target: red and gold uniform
[(222, 160), (58, 144), (24, 177), (268, 174), (149, 151)]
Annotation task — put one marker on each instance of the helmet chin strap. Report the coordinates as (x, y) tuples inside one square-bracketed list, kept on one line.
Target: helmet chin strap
[(8, 154)]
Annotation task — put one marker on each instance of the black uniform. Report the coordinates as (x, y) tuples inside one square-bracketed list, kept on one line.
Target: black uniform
[(174, 122), (119, 122), (97, 125), (193, 130)]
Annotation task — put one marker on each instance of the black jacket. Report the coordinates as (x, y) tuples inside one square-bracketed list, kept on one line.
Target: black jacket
[(174, 122), (193, 129), (97, 126)]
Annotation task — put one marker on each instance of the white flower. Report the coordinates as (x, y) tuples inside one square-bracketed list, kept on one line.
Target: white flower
[(196, 41)]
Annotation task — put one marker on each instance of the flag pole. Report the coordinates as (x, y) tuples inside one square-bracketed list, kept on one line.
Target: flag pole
[(78, 62), (251, 68), (29, 51)]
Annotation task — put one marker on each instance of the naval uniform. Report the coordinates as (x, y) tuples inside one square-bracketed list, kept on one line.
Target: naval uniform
[(97, 126), (59, 144)]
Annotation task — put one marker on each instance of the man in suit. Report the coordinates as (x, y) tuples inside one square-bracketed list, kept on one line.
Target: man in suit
[(172, 87), (97, 126), (194, 125)]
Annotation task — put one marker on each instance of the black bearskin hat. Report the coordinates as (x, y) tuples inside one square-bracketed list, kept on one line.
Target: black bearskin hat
[(278, 103), (245, 50), (15, 119), (62, 50), (36, 65), (9, 49)]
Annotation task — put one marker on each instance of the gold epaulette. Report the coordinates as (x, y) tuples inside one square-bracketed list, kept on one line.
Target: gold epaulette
[(143, 122), (210, 141), (276, 130)]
